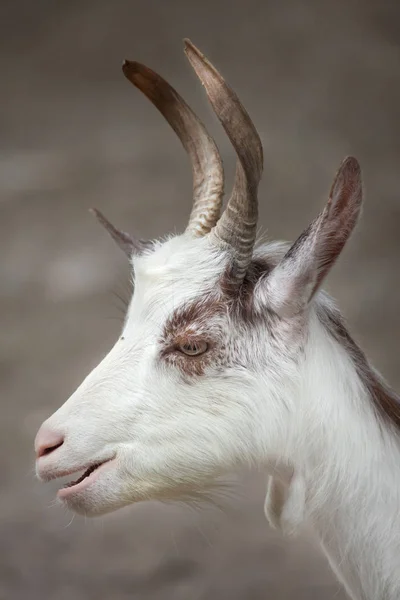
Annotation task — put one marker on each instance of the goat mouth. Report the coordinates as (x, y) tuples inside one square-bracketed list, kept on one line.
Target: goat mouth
[(88, 477), (86, 473)]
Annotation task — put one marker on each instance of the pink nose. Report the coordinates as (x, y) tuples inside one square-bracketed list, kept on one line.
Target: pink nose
[(47, 441)]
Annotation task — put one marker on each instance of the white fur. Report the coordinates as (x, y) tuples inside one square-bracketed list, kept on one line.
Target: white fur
[(290, 405)]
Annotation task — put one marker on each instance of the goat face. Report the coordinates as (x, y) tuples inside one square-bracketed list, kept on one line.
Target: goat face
[(212, 336), (175, 401)]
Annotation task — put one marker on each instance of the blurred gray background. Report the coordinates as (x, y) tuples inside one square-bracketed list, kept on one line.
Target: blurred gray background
[(321, 80)]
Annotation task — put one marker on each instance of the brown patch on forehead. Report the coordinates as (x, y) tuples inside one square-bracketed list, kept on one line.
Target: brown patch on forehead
[(385, 400), (229, 299), (198, 312), (203, 320)]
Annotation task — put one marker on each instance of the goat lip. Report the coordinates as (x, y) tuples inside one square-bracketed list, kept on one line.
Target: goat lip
[(87, 478), (46, 474)]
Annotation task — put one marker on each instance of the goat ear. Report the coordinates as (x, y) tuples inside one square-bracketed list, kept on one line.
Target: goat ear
[(128, 244), (292, 284)]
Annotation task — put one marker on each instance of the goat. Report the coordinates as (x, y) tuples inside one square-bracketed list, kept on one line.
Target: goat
[(232, 355)]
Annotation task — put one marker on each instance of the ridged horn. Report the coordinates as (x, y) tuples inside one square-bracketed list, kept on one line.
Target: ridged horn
[(237, 227), (208, 176)]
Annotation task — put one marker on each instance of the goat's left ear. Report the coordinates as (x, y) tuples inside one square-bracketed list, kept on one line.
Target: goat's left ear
[(289, 288), (128, 244)]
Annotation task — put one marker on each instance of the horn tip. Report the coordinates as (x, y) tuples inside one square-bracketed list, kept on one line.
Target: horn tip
[(127, 66), (190, 48), (130, 67), (198, 60), (135, 72)]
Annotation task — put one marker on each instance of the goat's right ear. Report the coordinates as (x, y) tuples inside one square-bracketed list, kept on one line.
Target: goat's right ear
[(130, 245), (290, 286)]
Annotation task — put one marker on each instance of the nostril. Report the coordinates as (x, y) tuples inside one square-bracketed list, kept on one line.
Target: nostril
[(47, 441), (42, 451)]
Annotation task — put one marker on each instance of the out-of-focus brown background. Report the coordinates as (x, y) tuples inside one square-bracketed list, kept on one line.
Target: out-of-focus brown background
[(321, 80)]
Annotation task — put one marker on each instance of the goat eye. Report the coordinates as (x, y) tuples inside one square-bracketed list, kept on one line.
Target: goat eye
[(193, 348)]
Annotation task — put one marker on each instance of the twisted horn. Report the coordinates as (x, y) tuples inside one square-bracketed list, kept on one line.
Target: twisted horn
[(208, 176), (237, 226)]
